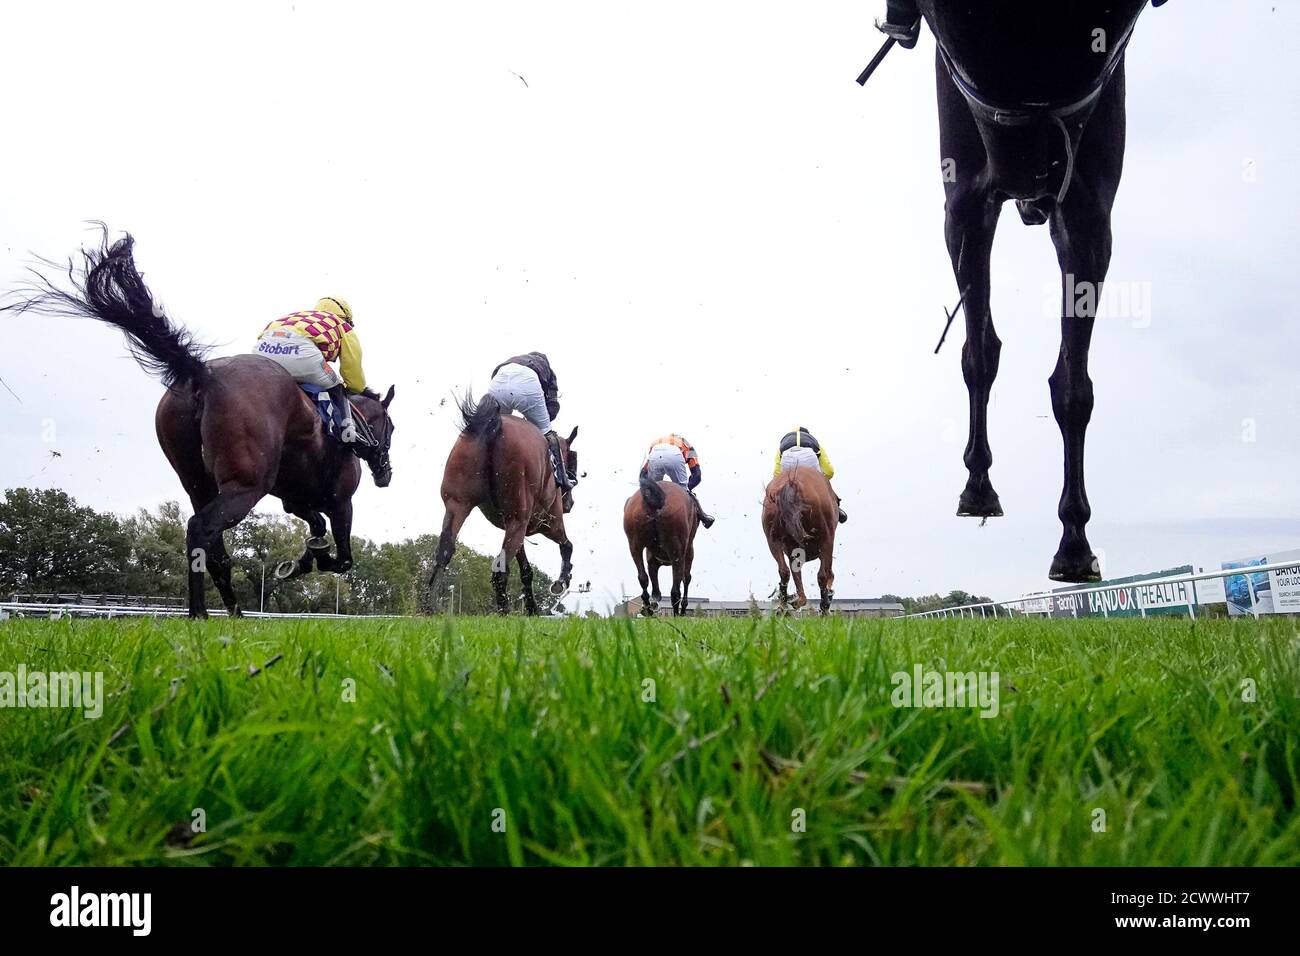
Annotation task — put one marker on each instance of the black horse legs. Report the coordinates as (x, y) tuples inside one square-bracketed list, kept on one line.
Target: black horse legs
[(204, 549), (970, 222)]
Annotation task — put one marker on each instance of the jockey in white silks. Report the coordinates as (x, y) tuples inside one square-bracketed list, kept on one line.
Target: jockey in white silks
[(527, 385)]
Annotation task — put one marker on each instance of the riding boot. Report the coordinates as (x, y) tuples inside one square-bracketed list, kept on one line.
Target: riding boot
[(561, 469), (563, 479), (705, 519), (343, 414), (902, 22)]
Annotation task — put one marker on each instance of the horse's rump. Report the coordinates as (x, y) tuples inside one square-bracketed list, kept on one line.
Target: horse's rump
[(498, 464), (660, 518), (800, 511)]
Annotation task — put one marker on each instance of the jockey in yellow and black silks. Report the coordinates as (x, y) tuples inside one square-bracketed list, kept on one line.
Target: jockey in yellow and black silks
[(799, 449), (305, 343)]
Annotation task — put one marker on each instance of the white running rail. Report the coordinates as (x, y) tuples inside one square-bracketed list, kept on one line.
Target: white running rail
[(1018, 605)]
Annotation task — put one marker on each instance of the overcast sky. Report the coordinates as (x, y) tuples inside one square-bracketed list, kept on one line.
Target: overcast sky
[(709, 228)]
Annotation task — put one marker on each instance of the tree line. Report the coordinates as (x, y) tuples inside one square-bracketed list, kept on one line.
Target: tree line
[(50, 544)]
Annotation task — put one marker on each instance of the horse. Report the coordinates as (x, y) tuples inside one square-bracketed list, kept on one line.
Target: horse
[(501, 465), (1031, 108), (660, 522), (800, 515), (233, 429)]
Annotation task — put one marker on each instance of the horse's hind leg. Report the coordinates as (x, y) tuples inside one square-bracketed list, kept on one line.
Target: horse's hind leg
[(796, 569), (686, 577), (516, 530), (783, 569), (642, 578), (526, 579), (655, 596), (826, 581), (451, 525), (230, 507), (219, 568), (676, 592), (1081, 232)]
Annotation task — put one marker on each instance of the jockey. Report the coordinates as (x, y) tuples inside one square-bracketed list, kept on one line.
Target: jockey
[(526, 384), (305, 343), (798, 449), (675, 457), (902, 22)]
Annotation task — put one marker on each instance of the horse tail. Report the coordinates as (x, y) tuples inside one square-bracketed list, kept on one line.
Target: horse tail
[(108, 287), (789, 507), (652, 493), (481, 419)]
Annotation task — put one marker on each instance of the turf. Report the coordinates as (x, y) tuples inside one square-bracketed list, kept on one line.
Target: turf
[(509, 741)]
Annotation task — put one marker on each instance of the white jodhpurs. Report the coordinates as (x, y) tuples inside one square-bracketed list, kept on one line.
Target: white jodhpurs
[(799, 457), (299, 356), (517, 388), (667, 460)]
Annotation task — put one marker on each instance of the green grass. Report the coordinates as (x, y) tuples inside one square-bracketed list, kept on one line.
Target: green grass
[(752, 721)]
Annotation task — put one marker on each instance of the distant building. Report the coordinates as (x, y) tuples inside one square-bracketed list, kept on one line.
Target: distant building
[(703, 607)]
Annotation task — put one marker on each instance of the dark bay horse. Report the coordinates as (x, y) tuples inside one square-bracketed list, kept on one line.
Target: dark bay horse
[(234, 429), (1031, 108), (501, 465), (800, 515), (660, 522)]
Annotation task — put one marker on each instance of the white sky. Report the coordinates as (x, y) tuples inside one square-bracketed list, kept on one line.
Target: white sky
[(707, 225)]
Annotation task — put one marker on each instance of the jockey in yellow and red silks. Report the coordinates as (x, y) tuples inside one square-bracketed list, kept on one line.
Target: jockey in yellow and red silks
[(305, 343)]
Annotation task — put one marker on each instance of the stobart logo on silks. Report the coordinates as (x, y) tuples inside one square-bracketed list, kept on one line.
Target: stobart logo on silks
[(277, 349), (75, 689)]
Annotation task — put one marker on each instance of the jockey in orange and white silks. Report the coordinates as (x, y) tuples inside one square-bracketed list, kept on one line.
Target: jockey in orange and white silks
[(799, 449), (674, 458), (305, 343)]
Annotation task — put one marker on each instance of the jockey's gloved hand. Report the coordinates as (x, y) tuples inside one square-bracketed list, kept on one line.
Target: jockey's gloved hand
[(902, 22)]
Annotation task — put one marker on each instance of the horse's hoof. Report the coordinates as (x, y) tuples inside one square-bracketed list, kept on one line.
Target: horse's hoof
[(1075, 568), (319, 544), (285, 569), (559, 587), (979, 502)]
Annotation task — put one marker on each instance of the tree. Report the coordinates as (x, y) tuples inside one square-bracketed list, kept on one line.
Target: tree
[(49, 543)]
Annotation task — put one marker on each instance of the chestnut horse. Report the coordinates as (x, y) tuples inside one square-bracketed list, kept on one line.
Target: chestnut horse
[(800, 515), (660, 521), (234, 429), (1031, 108), (501, 465)]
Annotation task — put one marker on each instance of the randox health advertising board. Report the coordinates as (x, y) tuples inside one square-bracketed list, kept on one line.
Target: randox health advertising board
[(1144, 593)]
